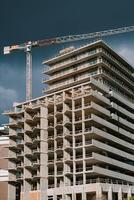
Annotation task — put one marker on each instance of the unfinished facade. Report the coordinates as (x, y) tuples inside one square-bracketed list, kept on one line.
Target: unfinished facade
[(76, 142)]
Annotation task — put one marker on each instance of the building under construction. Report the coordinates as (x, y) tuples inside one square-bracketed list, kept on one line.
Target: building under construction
[(76, 142)]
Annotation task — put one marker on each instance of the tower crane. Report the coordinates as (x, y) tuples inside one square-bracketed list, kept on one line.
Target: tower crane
[(27, 47)]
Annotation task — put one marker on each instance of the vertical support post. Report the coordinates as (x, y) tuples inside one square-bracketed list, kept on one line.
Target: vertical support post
[(28, 72), (120, 194), (110, 193), (98, 191), (129, 194)]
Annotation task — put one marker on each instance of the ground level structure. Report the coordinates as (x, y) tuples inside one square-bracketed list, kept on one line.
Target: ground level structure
[(4, 142)]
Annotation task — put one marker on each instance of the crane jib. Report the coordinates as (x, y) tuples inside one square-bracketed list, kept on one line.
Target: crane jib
[(46, 42)]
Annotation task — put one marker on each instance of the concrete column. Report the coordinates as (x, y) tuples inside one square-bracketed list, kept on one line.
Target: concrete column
[(54, 197), (98, 191), (74, 196), (27, 189), (67, 197), (83, 196), (11, 192), (43, 156), (129, 194), (120, 194), (110, 193)]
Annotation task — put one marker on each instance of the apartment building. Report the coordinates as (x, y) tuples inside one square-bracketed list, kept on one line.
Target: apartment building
[(76, 142), (4, 142)]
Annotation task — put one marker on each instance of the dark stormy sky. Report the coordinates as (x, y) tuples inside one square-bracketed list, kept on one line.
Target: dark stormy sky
[(24, 20)]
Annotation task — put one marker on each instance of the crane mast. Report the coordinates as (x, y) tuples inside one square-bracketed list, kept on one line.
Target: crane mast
[(27, 47), (28, 73)]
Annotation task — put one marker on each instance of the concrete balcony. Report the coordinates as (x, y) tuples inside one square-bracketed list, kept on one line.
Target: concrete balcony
[(68, 146), (78, 119), (51, 174), (59, 148), (50, 126), (116, 81), (28, 130), (13, 146), (128, 104), (36, 176), (68, 134), (97, 109), (77, 107), (29, 120), (78, 144), (105, 147), (79, 170), (20, 166), (69, 83), (36, 152), (70, 62), (12, 179), (67, 122), (51, 115), (12, 124), (88, 142), (99, 86), (12, 169), (122, 111), (59, 100), (14, 113), (50, 137), (119, 72), (68, 159), (13, 135), (78, 132), (59, 135), (102, 135), (87, 130), (20, 121), (98, 98), (79, 157), (51, 186), (50, 162), (59, 113), (60, 173), (109, 173), (100, 122), (68, 99), (20, 155), (97, 158), (115, 62), (71, 72), (36, 140), (37, 117), (36, 164), (19, 178), (20, 132), (29, 154), (59, 160), (36, 128), (68, 172), (124, 123), (29, 142), (50, 149), (79, 182), (12, 158)]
